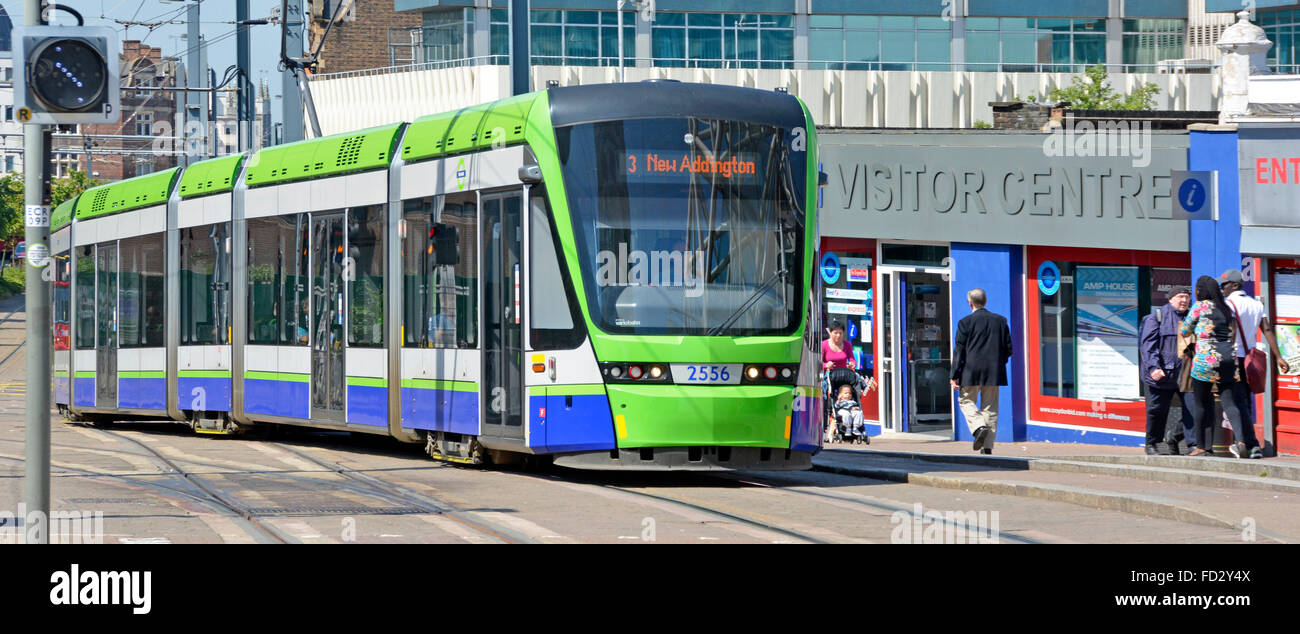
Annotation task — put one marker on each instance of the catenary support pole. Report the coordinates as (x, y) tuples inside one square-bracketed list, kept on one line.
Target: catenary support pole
[(244, 105), (519, 47), (36, 199), (194, 76), (292, 101)]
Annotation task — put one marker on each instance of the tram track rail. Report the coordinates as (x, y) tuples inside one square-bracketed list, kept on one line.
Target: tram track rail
[(401, 494), (575, 478), (214, 493), (155, 488), (756, 480)]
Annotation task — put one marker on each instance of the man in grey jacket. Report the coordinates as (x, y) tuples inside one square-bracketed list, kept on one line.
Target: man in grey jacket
[(1161, 365)]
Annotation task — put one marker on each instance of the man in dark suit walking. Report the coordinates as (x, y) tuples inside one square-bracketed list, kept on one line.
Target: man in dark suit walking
[(979, 366)]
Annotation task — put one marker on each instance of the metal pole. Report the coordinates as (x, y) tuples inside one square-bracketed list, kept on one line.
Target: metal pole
[(294, 100), (244, 105), (519, 47), (35, 195), (622, 74), (194, 75), (90, 166), (205, 74), (309, 104)]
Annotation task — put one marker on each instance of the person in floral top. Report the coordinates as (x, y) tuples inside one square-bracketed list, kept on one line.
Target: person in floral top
[(1214, 367)]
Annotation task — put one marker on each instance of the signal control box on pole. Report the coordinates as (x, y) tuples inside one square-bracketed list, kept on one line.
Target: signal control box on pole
[(66, 74)]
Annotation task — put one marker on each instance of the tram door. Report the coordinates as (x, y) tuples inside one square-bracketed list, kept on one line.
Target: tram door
[(327, 355), (106, 325), (502, 249)]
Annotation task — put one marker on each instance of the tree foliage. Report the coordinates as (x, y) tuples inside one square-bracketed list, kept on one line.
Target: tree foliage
[(12, 222), (1092, 91)]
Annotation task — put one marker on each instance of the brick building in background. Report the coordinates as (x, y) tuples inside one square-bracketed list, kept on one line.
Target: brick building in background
[(361, 38), (146, 114)]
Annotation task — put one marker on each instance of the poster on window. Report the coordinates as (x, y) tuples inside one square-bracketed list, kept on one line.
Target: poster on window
[(1288, 343), (1164, 280), (1286, 293), (1107, 326)]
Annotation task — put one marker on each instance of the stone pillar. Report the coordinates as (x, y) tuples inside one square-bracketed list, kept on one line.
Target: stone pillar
[(1244, 46)]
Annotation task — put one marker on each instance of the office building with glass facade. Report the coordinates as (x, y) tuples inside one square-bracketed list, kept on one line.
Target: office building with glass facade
[(980, 35), (1280, 20)]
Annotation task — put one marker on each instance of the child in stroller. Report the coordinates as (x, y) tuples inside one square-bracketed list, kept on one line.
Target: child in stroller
[(843, 389)]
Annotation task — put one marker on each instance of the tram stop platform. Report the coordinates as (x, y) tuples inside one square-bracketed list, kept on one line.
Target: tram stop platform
[(1261, 497)]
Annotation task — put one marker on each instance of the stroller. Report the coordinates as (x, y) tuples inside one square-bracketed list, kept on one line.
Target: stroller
[(842, 426)]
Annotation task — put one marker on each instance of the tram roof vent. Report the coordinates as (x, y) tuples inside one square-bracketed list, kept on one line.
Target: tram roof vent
[(349, 151), (97, 203)]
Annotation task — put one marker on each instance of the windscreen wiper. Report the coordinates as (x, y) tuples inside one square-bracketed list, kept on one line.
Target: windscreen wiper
[(758, 292)]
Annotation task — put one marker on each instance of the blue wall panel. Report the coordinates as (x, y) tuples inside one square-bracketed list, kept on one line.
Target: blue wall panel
[(579, 422), (1216, 246), (125, 392), (368, 405), (277, 398), (203, 393), (84, 392), (996, 268), (440, 410), (142, 393)]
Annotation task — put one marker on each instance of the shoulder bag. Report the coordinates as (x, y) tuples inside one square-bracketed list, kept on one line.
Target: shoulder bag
[(1187, 351), (1256, 361)]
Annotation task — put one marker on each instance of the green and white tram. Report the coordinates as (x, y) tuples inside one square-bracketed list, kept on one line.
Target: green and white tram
[(615, 276)]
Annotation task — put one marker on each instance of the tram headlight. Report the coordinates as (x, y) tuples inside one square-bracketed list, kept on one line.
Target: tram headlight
[(656, 372), (786, 373), (615, 372), (752, 372)]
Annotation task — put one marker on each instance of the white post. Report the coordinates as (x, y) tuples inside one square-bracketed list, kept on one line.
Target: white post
[(1244, 46)]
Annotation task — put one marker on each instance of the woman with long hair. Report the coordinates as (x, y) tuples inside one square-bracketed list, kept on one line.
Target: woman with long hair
[(1214, 367)]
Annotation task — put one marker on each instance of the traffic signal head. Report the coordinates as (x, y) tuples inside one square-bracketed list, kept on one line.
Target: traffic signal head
[(66, 74)]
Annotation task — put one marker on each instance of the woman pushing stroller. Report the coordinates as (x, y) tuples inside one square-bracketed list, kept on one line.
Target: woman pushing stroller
[(843, 388)]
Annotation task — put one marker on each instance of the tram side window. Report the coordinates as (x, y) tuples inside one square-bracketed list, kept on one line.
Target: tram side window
[(86, 297), (140, 292), (205, 285), (278, 289), (440, 272), (552, 324), (366, 284)]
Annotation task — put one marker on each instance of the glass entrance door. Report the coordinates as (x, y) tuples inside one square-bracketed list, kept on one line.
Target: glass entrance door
[(928, 342), (503, 298), (915, 348), (327, 352), (106, 326)]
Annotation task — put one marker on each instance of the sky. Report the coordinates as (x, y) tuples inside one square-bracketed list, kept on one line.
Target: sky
[(216, 25)]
